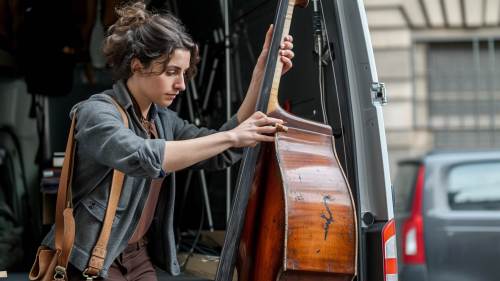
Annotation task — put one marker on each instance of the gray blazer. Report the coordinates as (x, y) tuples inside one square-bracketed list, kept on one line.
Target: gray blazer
[(104, 144)]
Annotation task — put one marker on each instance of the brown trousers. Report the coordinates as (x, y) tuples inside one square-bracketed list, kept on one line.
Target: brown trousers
[(133, 264)]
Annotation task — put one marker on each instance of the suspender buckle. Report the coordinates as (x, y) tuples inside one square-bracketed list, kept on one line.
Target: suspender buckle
[(88, 277)]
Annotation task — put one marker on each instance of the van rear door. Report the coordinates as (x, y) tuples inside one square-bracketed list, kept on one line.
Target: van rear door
[(364, 97)]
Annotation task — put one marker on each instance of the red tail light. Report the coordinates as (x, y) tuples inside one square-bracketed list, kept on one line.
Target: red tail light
[(389, 251), (413, 228)]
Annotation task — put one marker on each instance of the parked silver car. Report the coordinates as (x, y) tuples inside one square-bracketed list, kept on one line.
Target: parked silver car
[(448, 216)]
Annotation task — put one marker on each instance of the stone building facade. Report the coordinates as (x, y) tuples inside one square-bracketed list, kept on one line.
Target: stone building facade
[(440, 60)]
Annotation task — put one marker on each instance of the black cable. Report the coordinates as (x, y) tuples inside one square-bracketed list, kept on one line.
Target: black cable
[(196, 239), (318, 40), (330, 54)]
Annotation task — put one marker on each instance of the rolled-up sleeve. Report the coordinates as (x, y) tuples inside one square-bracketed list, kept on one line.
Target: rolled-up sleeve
[(185, 130), (102, 135)]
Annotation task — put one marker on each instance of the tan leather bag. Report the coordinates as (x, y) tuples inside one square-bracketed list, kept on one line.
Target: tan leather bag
[(50, 264)]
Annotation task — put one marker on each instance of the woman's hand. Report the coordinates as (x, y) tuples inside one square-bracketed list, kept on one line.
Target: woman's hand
[(258, 127), (286, 53), (247, 107)]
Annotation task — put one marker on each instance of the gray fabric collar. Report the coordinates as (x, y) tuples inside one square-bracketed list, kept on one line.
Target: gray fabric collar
[(122, 95)]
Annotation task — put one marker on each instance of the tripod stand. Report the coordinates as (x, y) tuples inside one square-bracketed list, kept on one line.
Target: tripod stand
[(192, 95), (219, 84)]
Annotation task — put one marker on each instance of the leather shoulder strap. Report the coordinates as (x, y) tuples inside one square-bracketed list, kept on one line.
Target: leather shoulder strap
[(64, 221), (96, 261)]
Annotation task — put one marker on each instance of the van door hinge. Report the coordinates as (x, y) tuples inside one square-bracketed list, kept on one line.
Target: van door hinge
[(378, 92)]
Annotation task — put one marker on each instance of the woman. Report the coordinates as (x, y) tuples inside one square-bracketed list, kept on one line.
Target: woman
[(152, 57)]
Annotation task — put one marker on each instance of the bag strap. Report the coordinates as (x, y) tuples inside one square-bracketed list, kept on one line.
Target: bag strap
[(64, 221), (96, 261)]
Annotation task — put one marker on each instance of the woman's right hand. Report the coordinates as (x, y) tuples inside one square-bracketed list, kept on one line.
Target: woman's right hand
[(258, 127)]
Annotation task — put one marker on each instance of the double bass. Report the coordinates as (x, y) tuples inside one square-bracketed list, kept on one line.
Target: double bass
[(293, 216)]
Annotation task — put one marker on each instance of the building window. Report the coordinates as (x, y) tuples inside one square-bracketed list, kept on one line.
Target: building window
[(463, 82)]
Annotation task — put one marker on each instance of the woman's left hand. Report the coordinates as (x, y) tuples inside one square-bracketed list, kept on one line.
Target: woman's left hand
[(286, 53)]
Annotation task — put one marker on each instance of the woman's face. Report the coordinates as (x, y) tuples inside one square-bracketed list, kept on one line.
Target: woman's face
[(163, 88)]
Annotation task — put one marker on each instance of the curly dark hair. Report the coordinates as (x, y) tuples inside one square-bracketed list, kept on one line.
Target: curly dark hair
[(147, 36)]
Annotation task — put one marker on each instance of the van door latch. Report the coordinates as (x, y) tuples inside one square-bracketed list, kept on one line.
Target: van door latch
[(379, 93)]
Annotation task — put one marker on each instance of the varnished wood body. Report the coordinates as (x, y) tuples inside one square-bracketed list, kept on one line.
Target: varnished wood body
[(300, 222)]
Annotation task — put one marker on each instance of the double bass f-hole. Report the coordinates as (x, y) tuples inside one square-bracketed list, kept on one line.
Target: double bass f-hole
[(328, 219)]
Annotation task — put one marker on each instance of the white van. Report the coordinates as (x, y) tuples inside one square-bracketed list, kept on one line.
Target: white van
[(353, 101)]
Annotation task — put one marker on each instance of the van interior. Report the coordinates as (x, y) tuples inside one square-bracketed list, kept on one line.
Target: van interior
[(50, 59)]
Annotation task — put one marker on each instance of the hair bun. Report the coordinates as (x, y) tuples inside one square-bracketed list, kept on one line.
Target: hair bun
[(146, 36), (131, 16)]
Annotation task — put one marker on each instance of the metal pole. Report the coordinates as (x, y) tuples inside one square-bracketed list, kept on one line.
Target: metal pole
[(228, 95), (491, 47), (191, 91), (477, 111)]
